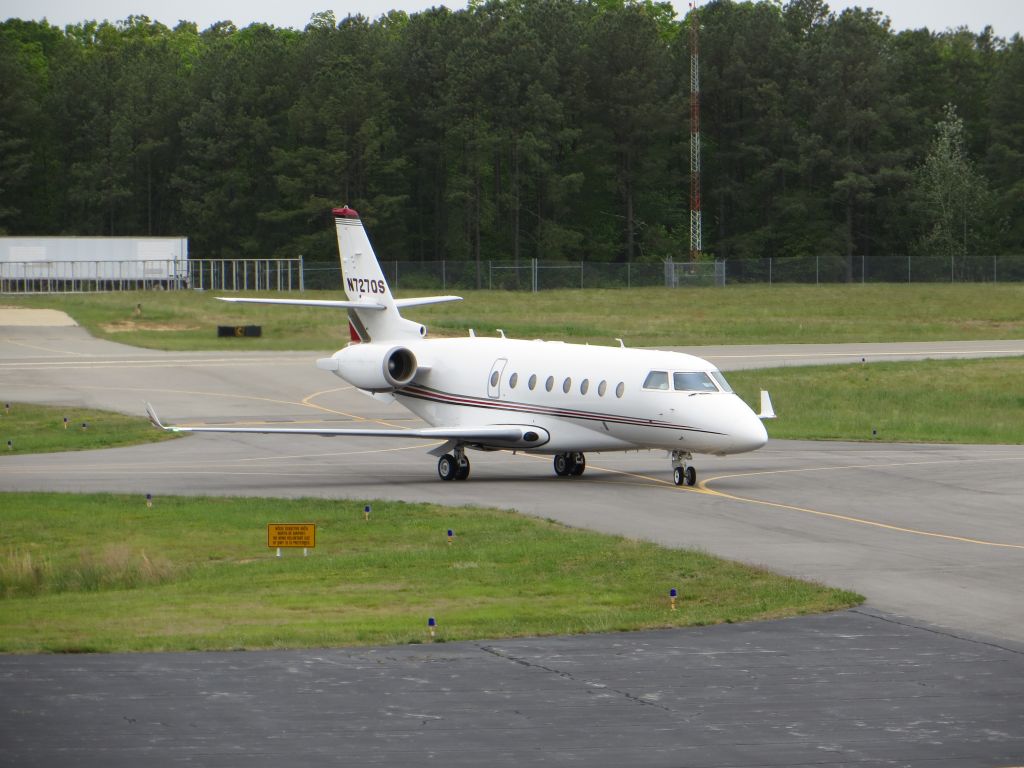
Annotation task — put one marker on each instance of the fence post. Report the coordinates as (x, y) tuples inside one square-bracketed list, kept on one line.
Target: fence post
[(995, 269), (817, 270), (444, 275), (769, 270), (581, 275), (629, 282)]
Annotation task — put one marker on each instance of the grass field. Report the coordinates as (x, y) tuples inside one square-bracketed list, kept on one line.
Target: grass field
[(947, 401), (106, 573), (642, 317), (41, 429)]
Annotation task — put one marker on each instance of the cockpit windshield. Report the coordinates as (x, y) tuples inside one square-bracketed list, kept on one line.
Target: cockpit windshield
[(721, 381), (687, 381), (696, 381)]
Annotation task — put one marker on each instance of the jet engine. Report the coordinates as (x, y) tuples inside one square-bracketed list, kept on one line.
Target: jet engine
[(373, 367)]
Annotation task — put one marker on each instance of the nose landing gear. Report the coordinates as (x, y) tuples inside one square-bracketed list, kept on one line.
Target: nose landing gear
[(682, 473)]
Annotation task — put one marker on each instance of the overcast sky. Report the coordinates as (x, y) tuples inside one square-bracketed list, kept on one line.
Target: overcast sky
[(1005, 16)]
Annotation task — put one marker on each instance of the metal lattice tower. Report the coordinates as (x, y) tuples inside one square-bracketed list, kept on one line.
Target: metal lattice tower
[(696, 245)]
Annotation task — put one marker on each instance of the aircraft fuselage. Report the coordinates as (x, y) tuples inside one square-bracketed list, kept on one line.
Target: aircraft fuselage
[(589, 398)]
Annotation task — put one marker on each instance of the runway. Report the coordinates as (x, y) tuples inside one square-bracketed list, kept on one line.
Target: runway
[(931, 534)]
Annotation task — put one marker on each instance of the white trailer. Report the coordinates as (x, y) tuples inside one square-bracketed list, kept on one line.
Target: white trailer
[(71, 264)]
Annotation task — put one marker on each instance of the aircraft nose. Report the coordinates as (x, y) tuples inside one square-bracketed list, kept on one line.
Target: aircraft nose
[(748, 433), (753, 434)]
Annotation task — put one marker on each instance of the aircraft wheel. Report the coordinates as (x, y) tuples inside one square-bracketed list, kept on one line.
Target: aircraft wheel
[(678, 476), (448, 468), (691, 476), (562, 468), (579, 463), (463, 469)]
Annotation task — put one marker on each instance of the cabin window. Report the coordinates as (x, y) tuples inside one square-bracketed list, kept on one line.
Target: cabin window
[(532, 383), (717, 375), (584, 386), (550, 383), (513, 380), (620, 390), (567, 385), (602, 388), (697, 381), (494, 379), (656, 380)]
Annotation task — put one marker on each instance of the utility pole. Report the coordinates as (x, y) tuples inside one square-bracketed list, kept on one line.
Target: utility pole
[(696, 246)]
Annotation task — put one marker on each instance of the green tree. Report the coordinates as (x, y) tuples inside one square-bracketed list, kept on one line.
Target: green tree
[(630, 117), (242, 86), (953, 197), (852, 152), (22, 124), (1004, 163)]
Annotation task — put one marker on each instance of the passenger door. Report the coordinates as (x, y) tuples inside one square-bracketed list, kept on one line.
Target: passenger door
[(494, 378)]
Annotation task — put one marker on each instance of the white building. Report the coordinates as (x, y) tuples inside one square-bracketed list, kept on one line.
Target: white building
[(34, 264)]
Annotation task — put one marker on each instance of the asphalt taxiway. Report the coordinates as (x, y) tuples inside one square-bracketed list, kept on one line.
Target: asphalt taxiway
[(931, 534)]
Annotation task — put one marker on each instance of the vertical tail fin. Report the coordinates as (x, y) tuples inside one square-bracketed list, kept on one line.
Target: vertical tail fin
[(363, 281)]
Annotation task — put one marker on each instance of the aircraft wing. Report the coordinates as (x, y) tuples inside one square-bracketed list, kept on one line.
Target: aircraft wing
[(516, 436)]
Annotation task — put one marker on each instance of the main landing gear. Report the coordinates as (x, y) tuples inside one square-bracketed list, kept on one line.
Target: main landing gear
[(454, 465), (682, 473), (570, 464)]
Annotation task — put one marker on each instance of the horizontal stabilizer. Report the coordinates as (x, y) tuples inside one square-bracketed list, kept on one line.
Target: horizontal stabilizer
[(767, 409), (420, 301), (400, 303), (310, 303)]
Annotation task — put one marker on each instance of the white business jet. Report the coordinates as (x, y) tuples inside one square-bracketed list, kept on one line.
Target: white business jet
[(544, 397)]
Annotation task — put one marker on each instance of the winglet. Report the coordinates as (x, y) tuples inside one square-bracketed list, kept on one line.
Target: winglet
[(153, 418), (767, 409)]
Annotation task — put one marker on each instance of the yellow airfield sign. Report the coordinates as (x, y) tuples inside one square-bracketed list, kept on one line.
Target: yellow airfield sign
[(291, 535)]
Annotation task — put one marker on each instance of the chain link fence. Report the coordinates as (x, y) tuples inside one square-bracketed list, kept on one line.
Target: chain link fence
[(228, 275), (538, 276), (530, 275)]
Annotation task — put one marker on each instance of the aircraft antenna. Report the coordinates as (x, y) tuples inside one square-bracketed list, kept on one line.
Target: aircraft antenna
[(696, 245)]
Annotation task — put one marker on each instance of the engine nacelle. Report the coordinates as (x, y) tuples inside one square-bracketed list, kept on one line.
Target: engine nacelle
[(373, 367)]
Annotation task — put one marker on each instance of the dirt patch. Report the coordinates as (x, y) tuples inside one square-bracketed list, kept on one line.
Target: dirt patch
[(128, 326), (34, 317)]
